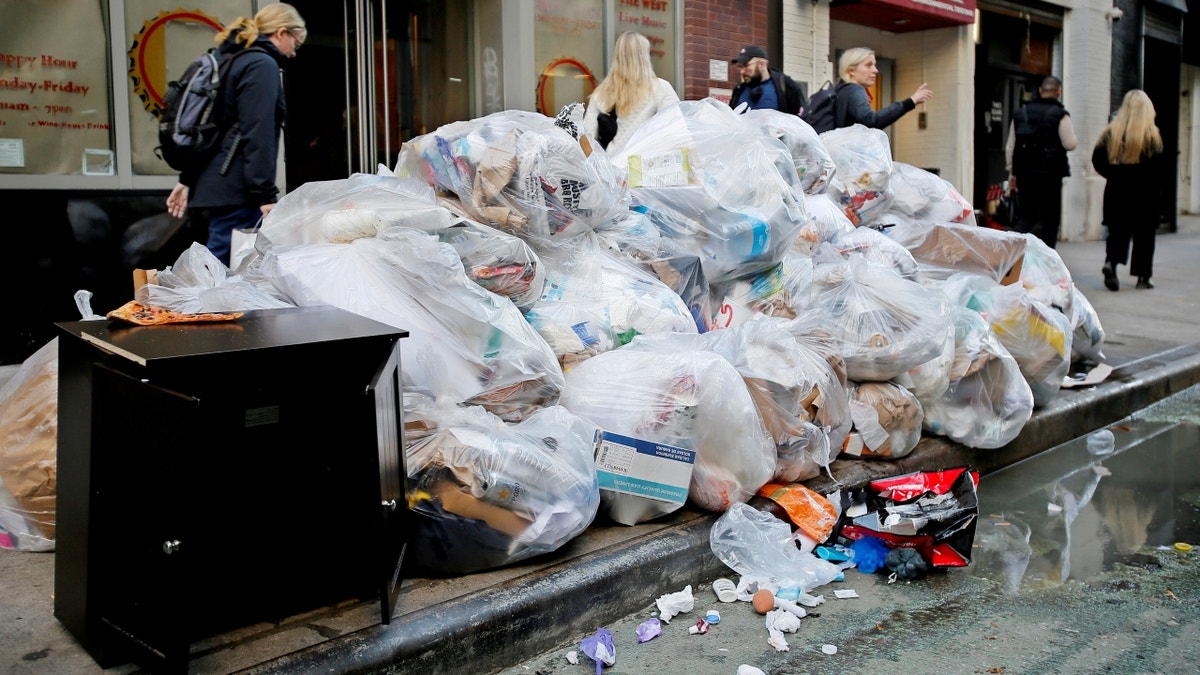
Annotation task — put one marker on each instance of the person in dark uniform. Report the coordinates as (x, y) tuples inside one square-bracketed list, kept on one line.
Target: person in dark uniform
[(1036, 152)]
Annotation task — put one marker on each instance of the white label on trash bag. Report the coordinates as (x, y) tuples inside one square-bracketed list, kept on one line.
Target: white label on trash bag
[(643, 468), (670, 169)]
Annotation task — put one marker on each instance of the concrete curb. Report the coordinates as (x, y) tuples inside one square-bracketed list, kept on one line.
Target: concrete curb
[(498, 627)]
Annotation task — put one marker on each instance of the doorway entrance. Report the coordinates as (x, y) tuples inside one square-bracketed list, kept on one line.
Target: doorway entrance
[(372, 75)]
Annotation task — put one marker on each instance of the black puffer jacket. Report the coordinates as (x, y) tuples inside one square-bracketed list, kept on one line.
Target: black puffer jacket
[(252, 94), (854, 107)]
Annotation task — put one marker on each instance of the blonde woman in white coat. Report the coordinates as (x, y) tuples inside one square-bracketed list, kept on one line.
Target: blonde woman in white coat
[(631, 92)]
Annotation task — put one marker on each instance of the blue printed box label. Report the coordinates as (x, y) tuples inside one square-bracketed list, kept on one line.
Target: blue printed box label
[(643, 468)]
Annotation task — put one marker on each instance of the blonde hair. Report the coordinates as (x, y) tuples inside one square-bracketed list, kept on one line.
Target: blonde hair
[(1132, 135), (631, 77), (268, 20), (851, 58)]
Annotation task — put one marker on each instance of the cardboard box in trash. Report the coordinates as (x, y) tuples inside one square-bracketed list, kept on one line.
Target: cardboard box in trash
[(965, 248), (641, 479), (934, 512)]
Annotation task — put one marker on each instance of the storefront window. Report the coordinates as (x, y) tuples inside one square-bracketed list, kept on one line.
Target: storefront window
[(55, 100), (164, 39), (570, 44), (568, 51)]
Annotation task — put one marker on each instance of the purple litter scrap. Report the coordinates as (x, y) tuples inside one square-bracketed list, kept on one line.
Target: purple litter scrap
[(649, 629), (599, 648)]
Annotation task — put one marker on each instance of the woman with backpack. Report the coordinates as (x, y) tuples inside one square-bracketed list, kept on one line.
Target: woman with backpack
[(857, 69), (235, 187), (1129, 154), (629, 95)]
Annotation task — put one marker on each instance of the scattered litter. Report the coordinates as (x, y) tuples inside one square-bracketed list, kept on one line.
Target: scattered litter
[(648, 630), (713, 616), (790, 607), (1101, 470), (845, 593), (869, 554), (700, 628), (763, 601), (675, 603), (599, 648), (778, 623), (725, 589), (829, 649), (835, 553), (1052, 508), (1101, 442), (749, 670), (1183, 546), (1094, 376), (573, 657), (790, 593), (906, 563)]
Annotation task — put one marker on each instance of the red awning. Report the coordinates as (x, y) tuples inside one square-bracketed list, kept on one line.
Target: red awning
[(903, 16)]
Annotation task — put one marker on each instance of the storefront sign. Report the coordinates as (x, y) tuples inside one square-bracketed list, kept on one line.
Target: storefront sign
[(903, 16)]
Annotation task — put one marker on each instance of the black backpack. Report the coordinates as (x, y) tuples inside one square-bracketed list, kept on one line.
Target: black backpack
[(821, 112), (191, 128)]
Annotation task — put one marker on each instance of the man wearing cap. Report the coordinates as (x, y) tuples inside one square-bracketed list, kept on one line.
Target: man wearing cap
[(764, 87)]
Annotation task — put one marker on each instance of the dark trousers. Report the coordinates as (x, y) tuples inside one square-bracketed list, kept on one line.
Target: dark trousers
[(1041, 206), (1116, 247), (221, 224)]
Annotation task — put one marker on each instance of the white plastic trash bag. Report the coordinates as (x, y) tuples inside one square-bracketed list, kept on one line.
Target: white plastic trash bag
[(465, 343), (756, 544), (198, 283), (863, 158), (594, 301), (988, 401), (671, 391), (485, 493), (28, 453), (882, 323), (517, 171)]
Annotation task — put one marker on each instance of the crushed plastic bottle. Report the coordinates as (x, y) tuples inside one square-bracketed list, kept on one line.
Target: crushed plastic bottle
[(1101, 442)]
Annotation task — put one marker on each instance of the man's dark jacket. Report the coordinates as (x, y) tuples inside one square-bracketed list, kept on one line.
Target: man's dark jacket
[(1038, 149), (788, 92), (252, 95)]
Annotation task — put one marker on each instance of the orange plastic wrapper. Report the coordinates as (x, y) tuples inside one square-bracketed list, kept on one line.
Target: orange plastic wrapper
[(146, 315), (809, 511)]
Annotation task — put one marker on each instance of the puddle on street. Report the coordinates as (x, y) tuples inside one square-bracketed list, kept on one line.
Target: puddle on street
[(1069, 514)]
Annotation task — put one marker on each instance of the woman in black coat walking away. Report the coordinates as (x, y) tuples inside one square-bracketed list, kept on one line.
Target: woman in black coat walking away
[(1129, 155)]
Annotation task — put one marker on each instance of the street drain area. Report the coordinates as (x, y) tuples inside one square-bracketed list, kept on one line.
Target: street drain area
[(1070, 513)]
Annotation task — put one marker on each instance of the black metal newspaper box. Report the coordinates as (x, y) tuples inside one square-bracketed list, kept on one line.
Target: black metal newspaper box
[(213, 475)]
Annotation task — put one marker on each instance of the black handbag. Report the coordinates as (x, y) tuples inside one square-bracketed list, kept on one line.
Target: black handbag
[(606, 127)]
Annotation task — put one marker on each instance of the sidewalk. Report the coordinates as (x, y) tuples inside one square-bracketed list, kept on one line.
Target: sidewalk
[(484, 622)]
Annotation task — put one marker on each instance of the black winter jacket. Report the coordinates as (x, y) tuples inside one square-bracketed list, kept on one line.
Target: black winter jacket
[(252, 95), (788, 92), (1038, 150), (854, 107)]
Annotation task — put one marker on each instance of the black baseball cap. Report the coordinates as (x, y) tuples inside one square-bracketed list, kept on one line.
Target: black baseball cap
[(749, 52)]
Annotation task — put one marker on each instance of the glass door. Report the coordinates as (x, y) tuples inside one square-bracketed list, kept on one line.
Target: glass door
[(371, 75)]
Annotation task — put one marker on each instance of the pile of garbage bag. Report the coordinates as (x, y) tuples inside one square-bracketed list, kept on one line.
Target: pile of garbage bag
[(731, 292)]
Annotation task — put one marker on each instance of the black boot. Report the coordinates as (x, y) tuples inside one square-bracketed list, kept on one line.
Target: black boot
[(1144, 282), (1110, 276)]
